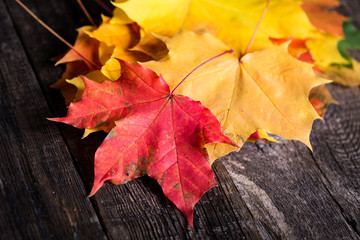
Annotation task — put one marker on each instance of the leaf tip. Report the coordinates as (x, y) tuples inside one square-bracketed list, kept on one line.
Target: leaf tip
[(85, 79), (55, 119), (190, 217), (95, 188)]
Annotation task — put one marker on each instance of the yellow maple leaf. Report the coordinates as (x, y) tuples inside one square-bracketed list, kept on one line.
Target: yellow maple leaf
[(120, 17), (115, 42), (120, 35), (267, 89), (321, 98), (345, 76), (214, 75), (233, 21), (261, 134), (324, 50)]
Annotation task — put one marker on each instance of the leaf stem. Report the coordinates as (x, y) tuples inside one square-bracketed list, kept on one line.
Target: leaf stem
[(229, 51), (257, 28), (87, 14), (56, 35)]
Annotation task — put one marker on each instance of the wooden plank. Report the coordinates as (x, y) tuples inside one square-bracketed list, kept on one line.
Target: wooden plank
[(297, 194), (137, 209), (351, 8), (283, 192), (41, 193), (338, 153), (140, 209), (64, 17)]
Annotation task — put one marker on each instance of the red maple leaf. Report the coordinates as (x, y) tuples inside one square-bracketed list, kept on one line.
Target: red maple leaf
[(156, 133)]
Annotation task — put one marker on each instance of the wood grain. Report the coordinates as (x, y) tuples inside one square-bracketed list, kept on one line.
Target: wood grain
[(298, 194), (40, 189), (276, 191)]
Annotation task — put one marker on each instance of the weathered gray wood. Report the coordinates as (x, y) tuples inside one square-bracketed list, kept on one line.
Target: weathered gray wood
[(137, 209), (140, 204), (265, 191), (351, 9), (41, 46), (297, 194), (41, 193)]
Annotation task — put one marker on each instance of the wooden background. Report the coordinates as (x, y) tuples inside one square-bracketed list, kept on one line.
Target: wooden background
[(276, 191)]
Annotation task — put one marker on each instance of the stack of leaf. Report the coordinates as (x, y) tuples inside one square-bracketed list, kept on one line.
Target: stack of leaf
[(281, 49)]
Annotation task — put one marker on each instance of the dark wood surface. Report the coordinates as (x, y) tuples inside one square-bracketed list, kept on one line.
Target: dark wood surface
[(276, 191)]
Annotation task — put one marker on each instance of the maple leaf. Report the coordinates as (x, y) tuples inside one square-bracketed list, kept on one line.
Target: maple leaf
[(78, 65), (321, 49), (156, 133), (324, 50), (297, 48), (116, 41), (261, 134), (98, 48), (152, 46), (148, 43), (343, 75), (72, 70), (79, 84), (329, 54), (321, 98), (329, 64), (188, 49), (87, 46), (222, 18), (164, 135), (323, 15), (351, 41), (267, 89)]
